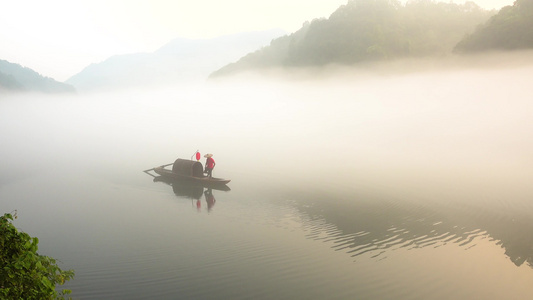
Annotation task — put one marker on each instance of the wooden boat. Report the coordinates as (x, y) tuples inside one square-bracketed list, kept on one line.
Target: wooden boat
[(188, 170)]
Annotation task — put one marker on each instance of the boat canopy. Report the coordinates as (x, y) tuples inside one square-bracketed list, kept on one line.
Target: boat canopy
[(188, 167)]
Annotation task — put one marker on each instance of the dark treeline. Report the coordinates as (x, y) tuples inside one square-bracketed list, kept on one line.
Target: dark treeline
[(14, 77), (371, 30)]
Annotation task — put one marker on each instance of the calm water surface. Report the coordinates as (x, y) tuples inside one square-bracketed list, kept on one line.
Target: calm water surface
[(401, 187)]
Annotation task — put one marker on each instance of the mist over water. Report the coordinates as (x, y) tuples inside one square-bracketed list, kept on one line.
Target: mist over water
[(386, 186)]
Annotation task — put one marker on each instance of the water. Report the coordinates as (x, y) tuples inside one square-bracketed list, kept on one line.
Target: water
[(409, 186)]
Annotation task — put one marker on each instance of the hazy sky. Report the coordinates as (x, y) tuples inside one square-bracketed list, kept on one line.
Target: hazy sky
[(58, 38)]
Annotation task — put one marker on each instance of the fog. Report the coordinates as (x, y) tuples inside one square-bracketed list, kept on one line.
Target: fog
[(421, 130)]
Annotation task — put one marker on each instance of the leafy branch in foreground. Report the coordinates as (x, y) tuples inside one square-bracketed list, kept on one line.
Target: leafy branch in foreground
[(24, 274)]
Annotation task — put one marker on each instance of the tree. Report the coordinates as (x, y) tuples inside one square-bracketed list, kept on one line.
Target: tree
[(24, 274)]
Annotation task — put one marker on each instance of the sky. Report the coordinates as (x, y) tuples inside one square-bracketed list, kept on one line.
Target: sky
[(58, 38)]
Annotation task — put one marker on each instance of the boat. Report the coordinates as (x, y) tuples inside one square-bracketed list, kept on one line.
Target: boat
[(188, 170)]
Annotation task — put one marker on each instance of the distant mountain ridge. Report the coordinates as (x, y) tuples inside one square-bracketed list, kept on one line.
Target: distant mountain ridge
[(179, 61), (14, 77)]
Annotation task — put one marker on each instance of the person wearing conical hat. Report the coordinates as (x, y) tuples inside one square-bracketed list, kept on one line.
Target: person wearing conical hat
[(209, 164)]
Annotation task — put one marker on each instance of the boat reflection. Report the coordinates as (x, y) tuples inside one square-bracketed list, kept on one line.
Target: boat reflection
[(186, 187), (193, 191)]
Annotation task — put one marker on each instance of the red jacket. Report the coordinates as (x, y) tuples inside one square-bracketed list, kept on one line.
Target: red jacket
[(210, 163)]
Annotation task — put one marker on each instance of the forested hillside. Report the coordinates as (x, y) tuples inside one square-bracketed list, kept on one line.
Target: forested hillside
[(370, 30), (510, 29), (14, 77)]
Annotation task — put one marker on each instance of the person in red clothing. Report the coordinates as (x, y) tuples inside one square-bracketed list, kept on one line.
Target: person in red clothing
[(209, 164)]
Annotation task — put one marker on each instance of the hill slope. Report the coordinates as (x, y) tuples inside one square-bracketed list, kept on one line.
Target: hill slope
[(510, 29), (369, 30), (14, 77), (181, 60)]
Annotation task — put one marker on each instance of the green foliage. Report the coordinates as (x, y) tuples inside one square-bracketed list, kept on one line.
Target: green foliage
[(25, 274), (510, 29)]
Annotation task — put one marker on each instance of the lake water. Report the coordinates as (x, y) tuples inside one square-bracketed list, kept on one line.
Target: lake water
[(412, 186)]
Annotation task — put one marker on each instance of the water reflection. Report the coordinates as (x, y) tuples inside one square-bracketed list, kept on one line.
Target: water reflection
[(182, 190), (374, 227), (209, 198), (515, 235), (193, 191)]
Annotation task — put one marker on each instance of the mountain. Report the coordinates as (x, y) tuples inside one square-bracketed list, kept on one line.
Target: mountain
[(14, 77), (369, 30), (181, 60), (510, 29)]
